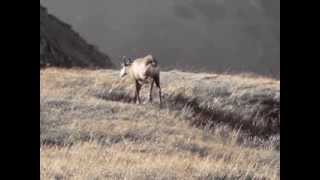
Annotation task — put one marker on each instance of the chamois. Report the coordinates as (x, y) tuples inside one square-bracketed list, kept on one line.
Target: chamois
[(141, 71)]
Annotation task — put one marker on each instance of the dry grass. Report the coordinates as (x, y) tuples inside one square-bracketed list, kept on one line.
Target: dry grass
[(85, 135)]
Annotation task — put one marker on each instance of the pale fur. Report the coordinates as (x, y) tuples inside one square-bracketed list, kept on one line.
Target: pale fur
[(142, 70)]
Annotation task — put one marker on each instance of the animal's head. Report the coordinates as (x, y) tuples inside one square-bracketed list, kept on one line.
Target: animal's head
[(126, 62)]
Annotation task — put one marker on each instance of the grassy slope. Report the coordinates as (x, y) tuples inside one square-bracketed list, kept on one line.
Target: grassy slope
[(86, 135)]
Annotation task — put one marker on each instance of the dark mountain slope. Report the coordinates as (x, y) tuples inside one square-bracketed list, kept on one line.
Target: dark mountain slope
[(194, 35), (62, 47)]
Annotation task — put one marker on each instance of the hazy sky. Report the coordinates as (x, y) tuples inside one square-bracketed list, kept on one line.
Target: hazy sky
[(216, 35)]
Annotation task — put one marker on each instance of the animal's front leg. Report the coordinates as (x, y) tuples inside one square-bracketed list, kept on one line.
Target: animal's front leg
[(138, 88), (135, 96), (139, 100), (150, 94)]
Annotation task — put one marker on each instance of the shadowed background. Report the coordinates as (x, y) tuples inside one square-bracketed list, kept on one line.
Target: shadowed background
[(206, 35)]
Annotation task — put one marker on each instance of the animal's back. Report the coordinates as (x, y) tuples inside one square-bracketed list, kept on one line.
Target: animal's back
[(137, 69), (143, 67), (152, 67)]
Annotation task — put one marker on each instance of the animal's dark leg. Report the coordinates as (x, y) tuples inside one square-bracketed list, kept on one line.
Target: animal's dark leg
[(136, 95), (157, 81), (138, 88), (151, 88)]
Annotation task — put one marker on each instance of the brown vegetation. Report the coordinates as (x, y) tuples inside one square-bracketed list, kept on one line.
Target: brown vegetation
[(211, 127)]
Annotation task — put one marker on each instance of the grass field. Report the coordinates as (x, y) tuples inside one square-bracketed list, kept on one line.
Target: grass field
[(212, 126)]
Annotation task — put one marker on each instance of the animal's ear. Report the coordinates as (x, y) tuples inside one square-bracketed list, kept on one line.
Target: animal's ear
[(123, 61), (123, 58)]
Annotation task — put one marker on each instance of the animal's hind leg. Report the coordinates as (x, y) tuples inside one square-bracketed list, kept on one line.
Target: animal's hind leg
[(139, 88), (157, 81), (137, 94), (151, 88)]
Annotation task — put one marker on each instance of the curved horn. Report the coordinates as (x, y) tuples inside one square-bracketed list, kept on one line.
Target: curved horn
[(122, 60)]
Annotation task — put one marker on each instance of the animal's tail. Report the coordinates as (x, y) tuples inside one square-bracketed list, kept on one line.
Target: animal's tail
[(155, 62), (151, 61)]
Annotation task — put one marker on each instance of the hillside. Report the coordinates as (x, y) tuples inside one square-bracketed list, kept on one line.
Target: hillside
[(212, 126), (193, 35), (62, 47)]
